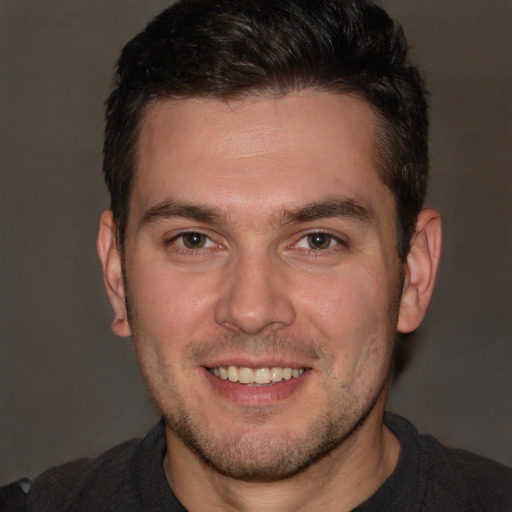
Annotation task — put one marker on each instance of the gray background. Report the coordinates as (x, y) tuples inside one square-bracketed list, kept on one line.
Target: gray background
[(69, 388)]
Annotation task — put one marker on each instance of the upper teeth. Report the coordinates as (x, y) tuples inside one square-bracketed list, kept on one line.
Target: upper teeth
[(259, 376)]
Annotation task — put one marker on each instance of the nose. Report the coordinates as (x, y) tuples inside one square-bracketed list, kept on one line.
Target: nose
[(255, 296)]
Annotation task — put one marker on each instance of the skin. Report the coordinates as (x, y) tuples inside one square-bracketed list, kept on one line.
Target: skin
[(257, 183)]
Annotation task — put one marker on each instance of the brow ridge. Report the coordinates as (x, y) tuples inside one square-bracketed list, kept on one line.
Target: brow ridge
[(334, 207), (174, 208)]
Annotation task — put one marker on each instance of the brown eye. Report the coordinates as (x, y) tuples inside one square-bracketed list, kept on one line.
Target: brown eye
[(194, 240), (319, 241)]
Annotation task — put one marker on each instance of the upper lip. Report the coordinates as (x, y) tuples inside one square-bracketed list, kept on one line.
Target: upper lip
[(255, 363)]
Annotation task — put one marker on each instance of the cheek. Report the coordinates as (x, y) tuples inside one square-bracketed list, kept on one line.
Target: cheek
[(171, 303), (350, 312), (345, 302)]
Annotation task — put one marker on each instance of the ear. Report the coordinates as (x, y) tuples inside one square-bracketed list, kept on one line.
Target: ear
[(420, 270), (110, 257)]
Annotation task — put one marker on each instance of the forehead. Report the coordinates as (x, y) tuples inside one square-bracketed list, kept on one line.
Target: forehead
[(283, 151)]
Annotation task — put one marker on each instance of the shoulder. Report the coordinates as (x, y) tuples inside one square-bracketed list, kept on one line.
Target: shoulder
[(115, 480), (463, 480), (59, 487), (484, 483)]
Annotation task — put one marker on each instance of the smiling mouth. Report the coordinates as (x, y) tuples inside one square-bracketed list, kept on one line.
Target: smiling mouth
[(257, 376)]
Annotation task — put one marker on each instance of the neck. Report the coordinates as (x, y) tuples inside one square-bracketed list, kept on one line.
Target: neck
[(343, 479)]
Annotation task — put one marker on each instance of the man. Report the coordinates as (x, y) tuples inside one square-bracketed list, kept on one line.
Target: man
[(267, 164)]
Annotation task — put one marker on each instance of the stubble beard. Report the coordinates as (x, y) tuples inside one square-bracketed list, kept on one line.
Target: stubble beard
[(251, 454), (259, 458), (254, 457)]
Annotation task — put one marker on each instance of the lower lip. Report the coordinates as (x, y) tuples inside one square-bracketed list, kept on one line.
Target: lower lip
[(245, 394)]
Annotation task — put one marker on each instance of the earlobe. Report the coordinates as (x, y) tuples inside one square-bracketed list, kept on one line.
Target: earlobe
[(110, 258), (421, 270)]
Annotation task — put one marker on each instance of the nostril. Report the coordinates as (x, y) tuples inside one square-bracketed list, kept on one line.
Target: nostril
[(253, 328)]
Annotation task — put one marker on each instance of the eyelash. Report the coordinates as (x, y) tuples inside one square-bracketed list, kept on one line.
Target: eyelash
[(334, 243), (182, 249)]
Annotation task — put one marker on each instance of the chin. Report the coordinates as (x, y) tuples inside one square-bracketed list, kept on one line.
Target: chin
[(251, 454)]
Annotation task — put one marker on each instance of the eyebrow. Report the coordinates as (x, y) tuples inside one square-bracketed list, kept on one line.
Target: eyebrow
[(345, 208), (173, 208), (329, 208)]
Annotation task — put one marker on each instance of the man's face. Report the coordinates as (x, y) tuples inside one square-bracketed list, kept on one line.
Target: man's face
[(261, 243)]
